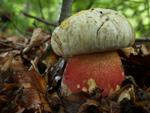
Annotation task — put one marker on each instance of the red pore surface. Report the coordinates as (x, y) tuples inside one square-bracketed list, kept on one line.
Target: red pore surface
[(104, 68)]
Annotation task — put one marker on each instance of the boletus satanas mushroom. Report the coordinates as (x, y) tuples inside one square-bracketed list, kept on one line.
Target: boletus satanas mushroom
[(89, 40)]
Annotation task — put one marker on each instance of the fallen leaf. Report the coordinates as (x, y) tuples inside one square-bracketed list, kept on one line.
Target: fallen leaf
[(34, 90)]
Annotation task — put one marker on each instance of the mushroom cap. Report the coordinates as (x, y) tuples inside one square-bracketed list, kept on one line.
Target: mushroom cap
[(90, 31)]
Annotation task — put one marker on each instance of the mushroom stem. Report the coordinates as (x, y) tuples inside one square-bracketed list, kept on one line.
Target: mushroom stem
[(88, 72)]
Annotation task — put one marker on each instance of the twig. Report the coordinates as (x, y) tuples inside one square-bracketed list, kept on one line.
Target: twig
[(6, 46), (90, 4), (11, 44), (42, 15), (54, 24), (16, 27), (65, 10), (40, 6), (142, 40)]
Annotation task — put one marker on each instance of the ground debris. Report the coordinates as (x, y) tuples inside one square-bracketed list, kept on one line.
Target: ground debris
[(30, 76)]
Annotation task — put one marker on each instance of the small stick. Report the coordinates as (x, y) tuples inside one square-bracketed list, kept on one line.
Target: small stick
[(142, 40), (54, 24)]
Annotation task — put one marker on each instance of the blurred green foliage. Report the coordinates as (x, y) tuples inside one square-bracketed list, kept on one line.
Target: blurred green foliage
[(137, 12)]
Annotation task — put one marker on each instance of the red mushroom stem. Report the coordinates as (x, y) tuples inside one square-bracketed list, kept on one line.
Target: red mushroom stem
[(87, 72)]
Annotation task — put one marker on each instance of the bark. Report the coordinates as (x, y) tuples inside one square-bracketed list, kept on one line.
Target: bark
[(66, 10)]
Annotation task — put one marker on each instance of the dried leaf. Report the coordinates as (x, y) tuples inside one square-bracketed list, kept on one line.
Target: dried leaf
[(38, 37), (128, 93), (145, 48), (90, 106), (9, 96), (34, 90), (128, 51)]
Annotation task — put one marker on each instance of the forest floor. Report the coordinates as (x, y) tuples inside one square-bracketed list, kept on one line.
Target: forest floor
[(30, 77)]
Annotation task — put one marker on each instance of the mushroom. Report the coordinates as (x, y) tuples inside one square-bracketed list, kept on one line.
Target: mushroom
[(89, 39)]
